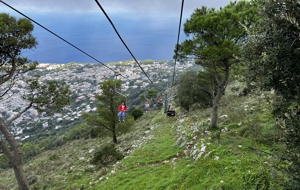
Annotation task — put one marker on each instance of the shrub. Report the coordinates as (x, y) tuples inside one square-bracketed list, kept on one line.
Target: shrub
[(260, 179), (243, 131), (54, 157), (106, 155), (137, 113), (233, 126)]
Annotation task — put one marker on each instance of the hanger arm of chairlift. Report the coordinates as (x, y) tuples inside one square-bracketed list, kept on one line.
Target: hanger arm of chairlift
[(122, 95)]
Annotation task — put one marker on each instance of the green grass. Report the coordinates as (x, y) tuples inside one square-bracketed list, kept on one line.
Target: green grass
[(152, 161)]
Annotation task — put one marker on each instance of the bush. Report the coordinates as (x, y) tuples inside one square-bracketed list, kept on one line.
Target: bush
[(80, 131), (106, 155), (137, 113), (54, 157), (233, 126)]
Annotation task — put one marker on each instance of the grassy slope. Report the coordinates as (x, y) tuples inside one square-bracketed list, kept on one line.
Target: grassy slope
[(156, 163)]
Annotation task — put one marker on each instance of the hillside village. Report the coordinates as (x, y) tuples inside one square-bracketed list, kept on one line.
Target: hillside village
[(84, 81)]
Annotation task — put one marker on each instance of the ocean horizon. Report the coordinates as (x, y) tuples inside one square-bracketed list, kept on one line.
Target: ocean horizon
[(147, 37)]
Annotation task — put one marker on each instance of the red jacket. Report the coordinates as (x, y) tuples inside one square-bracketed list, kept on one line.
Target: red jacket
[(122, 108)]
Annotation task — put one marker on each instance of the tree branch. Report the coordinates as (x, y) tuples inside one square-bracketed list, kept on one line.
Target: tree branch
[(10, 75), (5, 150), (10, 87), (19, 114)]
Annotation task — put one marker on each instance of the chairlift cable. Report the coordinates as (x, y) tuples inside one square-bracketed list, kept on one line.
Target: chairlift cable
[(76, 46), (168, 92), (122, 40), (176, 53), (57, 36)]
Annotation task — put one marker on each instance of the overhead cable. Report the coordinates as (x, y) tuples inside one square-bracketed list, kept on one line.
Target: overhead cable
[(122, 39), (58, 36), (177, 44)]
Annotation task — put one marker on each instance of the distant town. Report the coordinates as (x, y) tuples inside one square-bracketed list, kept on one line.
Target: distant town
[(83, 80)]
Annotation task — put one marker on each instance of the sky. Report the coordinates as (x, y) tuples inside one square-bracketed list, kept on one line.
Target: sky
[(149, 27), (158, 7)]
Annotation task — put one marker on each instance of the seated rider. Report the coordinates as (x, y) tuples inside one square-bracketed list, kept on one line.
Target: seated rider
[(154, 105), (147, 107), (171, 111), (122, 111), (170, 108)]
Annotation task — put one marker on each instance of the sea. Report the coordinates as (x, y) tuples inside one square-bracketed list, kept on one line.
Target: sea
[(90, 37)]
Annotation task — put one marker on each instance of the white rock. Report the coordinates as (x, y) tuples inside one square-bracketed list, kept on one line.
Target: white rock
[(92, 150), (203, 149)]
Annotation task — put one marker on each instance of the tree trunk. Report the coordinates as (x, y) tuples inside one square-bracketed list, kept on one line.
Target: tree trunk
[(114, 135), (214, 118), (217, 97), (14, 156), (21, 178)]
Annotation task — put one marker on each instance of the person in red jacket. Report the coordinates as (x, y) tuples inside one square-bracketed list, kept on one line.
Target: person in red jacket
[(122, 111)]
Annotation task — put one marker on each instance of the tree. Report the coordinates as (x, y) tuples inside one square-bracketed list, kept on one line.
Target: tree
[(216, 42), (142, 97), (49, 96), (107, 110), (152, 94), (273, 54), (137, 113), (194, 88)]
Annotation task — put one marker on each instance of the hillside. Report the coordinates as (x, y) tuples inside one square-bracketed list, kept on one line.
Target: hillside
[(83, 80), (174, 153)]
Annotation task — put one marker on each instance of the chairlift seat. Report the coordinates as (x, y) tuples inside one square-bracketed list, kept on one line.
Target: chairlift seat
[(171, 113)]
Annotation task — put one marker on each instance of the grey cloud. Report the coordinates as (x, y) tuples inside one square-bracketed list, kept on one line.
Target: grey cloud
[(169, 7)]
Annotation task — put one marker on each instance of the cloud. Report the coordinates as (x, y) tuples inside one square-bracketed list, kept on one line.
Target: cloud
[(152, 7)]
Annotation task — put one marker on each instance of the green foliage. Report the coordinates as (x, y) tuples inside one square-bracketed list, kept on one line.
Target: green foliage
[(152, 93), (125, 127), (274, 43), (96, 132), (53, 157), (155, 160), (233, 126), (80, 131), (216, 42), (105, 120), (260, 178), (30, 150), (50, 96), (194, 88), (16, 38), (142, 97), (217, 33), (4, 163), (107, 155), (292, 120), (137, 113)]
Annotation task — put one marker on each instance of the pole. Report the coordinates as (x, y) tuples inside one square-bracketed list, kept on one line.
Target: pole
[(166, 102)]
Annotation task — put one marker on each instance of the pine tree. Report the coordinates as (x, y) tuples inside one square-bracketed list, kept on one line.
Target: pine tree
[(215, 38), (105, 119)]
